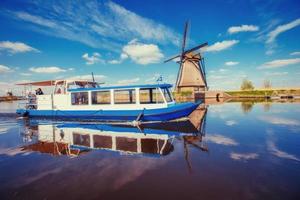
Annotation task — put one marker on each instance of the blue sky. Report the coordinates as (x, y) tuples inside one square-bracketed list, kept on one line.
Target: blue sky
[(125, 42)]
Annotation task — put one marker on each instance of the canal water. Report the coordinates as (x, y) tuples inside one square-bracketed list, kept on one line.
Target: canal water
[(240, 150)]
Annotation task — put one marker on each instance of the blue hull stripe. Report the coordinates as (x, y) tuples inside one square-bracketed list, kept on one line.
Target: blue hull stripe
[(162, 114), (104, 127)]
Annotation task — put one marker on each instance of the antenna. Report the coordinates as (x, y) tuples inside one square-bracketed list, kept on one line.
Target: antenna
[(93, 77)]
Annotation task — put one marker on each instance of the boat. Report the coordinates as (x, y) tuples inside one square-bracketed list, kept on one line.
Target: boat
[(87, 100)]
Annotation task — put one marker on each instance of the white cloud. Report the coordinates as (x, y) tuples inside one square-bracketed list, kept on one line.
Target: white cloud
[(271, 37), (129, 81), (280, 120), (25, 74), (123, 57), (231, 63), (281, 154), (114, 62), (22, 81), (270, 51), (93, 59), (138, 25), (223, 70), (46, 70), (276, 73), (140, 53), (230, 122), (5, 69), (216, 77), (242, 28), (296, 53), (279, 63), (220, 139), (243, 156), (220, 46), (16, 47), (35, 19), (104, 25)]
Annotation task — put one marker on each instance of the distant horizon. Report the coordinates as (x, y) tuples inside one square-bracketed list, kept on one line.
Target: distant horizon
[(126, 42)]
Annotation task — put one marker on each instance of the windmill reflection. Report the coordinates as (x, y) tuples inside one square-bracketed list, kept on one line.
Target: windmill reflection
[(198, 118), (153, 139)]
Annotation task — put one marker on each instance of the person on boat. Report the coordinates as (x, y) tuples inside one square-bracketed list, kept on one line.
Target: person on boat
[(39, 91)]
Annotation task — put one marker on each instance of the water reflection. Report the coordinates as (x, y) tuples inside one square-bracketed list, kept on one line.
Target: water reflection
[(267, 106), (77, 138), (55, 159), (247, 106)]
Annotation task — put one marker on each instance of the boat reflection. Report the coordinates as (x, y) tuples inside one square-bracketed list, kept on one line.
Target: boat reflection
[(76, 138)]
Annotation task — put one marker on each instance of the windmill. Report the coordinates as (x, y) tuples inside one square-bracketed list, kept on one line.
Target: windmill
[(191, 75)]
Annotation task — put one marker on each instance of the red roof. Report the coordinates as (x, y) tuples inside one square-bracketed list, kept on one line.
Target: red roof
[(40, 83)]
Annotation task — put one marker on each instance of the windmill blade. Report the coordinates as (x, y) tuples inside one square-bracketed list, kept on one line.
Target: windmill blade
[(178, 76), (183, 45), (202, 68), (177, 56), (196, 48), (184, 36), (184, 40)]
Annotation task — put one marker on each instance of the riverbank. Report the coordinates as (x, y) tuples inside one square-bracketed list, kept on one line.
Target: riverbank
[(10, 98), (265, 93)]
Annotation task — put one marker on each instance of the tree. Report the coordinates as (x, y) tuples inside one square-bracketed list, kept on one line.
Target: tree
[(247, 85), (267, 84)]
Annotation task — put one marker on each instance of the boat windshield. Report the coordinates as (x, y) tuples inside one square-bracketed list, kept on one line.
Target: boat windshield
[(167, 94)]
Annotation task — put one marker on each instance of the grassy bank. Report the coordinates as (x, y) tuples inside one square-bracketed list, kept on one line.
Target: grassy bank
[(261, 93)]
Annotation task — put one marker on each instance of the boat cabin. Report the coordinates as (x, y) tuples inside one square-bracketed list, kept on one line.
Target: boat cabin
[(87, 95)]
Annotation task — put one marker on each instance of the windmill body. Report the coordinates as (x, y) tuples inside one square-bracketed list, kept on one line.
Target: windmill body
[(191, 75)]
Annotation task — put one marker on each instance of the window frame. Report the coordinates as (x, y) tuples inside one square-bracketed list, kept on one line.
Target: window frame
[(169, 94), (88, 99), (92, 100), (132, 97), (151, 89)]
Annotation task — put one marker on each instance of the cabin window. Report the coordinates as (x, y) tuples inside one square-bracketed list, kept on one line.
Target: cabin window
[(101, 97), (167, 94), (124, 96), (102, 141), (81, 140), (126, 144), (80, 98), (150, 95)]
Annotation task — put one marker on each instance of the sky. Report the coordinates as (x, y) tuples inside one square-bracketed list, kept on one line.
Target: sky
[(126, 41)]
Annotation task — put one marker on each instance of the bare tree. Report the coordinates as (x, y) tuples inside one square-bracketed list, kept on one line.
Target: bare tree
[(267, 84), (247, 85)]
